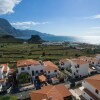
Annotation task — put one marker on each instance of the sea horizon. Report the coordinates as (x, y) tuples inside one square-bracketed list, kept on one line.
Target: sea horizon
[(81, 39)]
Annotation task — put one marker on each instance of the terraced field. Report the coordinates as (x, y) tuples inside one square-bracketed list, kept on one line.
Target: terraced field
[(10, 53)]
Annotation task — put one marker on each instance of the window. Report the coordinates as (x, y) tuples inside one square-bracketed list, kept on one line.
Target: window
[(62, 63), (55, 70), (32, 73), (17, 71), (68, 98), (28, 68), (48, 71), (77, 66), (96, 91), (22, 69), (92, 62), (41, 71), (37, 72), (77, 71)]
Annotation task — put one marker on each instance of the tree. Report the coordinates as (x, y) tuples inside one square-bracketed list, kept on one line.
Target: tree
[(77, 55), (43, 54), (24, 77)]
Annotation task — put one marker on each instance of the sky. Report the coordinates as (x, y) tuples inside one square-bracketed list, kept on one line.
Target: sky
[(58, 17)]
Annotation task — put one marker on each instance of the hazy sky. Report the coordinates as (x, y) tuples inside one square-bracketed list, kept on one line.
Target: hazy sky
[(59, 17)]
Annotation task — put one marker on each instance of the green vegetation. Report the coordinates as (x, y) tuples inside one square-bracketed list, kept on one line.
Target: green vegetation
[(12, 39), (79, 84), (24, 78), (11, 52), (8, 98)]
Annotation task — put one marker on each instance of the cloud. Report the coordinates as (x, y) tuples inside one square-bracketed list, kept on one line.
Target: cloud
[(93, 17), (27, 24), (7, 6)]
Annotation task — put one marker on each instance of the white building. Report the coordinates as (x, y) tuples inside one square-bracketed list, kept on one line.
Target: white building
[(91, 88), (34, 68), (65, 63), (4, 70), (91, 60), (79, 68), (30, 66), (51, 69)]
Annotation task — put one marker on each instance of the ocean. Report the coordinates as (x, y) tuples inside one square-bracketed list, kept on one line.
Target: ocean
[(82, 39)]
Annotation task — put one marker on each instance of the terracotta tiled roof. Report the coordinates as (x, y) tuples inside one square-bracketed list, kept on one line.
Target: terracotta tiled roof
[(2, 80), (63, 60), (23, 63), (42, 78), (97, 54), (50, 66), (94, 81), (82, 57), (91, 94), (57, 92), (92, 59), (80, 62)]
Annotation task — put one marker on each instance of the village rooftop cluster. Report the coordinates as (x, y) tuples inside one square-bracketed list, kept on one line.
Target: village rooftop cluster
[(73, 79)]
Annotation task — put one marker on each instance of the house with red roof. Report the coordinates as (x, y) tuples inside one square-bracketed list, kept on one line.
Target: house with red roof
[(50, 92), (91, 88), (51, 69), (35, 68), (30, 66), (91, 60), (79, 68)]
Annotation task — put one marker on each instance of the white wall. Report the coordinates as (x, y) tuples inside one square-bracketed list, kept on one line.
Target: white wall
[(98, 57), (91, 88), (66, 64), (52, 73), (32, 68), (82, 70), (2, 74), (36, 68), (1, 71), (86, 96), (2, 84)]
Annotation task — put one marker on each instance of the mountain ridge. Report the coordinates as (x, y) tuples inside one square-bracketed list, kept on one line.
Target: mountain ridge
[(7, 29)]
